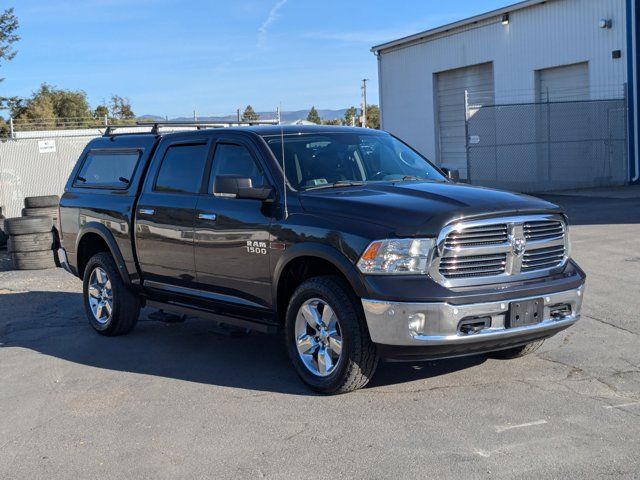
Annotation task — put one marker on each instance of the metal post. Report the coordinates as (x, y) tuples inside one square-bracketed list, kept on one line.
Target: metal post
[(364, 102), (11, 132), (548, 136), (278, 116), (466, 133)]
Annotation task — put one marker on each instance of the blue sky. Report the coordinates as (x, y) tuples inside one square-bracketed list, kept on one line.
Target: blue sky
[(172, 57)]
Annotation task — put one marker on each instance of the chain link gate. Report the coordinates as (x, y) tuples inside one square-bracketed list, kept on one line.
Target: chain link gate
[(537, 147)]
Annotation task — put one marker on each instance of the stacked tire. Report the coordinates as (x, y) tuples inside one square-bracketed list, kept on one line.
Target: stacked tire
[(32, 242), (42, 206)]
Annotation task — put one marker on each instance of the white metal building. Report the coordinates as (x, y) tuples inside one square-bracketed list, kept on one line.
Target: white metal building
[(534, 52)]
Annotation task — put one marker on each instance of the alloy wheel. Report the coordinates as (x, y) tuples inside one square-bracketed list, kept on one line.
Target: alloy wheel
[(318, 337)]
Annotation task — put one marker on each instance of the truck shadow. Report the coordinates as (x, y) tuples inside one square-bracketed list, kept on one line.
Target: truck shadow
[(54, 324)]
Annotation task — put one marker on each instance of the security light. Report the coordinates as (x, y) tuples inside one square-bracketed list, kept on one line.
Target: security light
[(505, 19)]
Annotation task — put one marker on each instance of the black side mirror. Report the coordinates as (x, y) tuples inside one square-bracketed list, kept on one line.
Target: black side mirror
[(240, 187), (452, 174)]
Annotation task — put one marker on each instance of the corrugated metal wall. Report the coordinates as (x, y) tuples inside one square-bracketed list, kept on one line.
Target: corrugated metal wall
[(559, 32), (29, 168)]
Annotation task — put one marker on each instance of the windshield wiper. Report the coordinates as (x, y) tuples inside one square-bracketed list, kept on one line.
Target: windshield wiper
[(339, 183)]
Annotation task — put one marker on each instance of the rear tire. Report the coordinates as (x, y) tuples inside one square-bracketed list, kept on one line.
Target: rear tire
[(516, 352), (356, 363), (112, 309)]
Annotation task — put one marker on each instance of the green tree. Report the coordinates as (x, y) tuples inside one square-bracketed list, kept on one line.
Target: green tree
[(373, 116), (249, 115), (51, 106), (335, 121), (351, 116), (121, 108), (101, 111), (8, 36), (313, 116)]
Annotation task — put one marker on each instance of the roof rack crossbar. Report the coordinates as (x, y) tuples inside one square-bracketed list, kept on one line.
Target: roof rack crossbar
[(155, 126)]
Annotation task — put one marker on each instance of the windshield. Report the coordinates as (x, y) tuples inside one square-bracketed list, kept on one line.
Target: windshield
[(333, 159)]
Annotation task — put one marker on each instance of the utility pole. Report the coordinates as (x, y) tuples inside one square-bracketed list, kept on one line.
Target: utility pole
[(364, 102), (238, 112)]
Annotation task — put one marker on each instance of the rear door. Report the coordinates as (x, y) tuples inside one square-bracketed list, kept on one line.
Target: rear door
[(232, 234), (165, 213)]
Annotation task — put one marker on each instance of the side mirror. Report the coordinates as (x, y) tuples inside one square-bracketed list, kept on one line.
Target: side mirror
[(240, 187), (452, 174)]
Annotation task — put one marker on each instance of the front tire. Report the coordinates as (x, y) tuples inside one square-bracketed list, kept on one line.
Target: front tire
[(110, 306), (327, 337)]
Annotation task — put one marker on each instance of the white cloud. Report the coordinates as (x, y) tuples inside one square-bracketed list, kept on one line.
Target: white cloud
[(272, 17)]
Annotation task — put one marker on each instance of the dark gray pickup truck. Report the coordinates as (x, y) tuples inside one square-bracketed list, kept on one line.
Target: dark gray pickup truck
[(366, 251)]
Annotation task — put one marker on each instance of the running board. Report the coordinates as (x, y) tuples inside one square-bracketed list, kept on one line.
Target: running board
[(196, 312)]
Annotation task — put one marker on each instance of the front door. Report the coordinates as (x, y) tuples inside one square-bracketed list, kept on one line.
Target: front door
[(232, 234), (165, 214)]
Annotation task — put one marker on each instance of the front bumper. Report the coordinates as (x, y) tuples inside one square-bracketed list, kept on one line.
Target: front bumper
[(432, 330)]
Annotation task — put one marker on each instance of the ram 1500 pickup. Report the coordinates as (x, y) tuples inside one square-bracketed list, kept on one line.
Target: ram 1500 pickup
[(346, 240)]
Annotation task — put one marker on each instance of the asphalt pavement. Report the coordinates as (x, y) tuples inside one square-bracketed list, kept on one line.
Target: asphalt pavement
[(188, 401)]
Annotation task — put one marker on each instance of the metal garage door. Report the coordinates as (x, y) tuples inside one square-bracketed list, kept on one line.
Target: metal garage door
[(565, 83), (452, 84)]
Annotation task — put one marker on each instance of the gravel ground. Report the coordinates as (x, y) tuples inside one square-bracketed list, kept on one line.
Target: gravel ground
[(185, 400)]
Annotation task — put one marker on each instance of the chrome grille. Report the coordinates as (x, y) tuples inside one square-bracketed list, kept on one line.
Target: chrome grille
[(546, 257), (542, 229), (476, 252), (473, 265), (474, 236)]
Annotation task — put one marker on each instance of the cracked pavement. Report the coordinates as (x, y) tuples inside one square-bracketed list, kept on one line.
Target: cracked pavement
[(184, 400)]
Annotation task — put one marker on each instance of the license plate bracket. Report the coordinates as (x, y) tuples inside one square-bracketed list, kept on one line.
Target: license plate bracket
[(526, 312)]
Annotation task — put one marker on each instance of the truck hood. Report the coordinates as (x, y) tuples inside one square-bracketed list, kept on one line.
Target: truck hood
[(419, 208)]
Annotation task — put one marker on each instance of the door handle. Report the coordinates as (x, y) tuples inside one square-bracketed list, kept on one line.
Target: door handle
[(208, 216), (146, 211)]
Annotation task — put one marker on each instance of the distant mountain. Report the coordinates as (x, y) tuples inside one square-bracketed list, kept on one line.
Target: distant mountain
[(287, 116)]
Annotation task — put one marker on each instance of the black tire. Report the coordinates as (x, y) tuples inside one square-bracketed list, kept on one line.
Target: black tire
[(359, 358), (27, 225), (126, 304), (33, 260), (42, 201), (33, 242), (516, 352), (40, 211)]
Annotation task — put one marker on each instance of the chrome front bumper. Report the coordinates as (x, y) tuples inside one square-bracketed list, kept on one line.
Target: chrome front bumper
[(437, 324)]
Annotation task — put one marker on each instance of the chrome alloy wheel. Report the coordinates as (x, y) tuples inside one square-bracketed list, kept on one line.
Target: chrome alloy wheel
[(100, 295), (318, 337)]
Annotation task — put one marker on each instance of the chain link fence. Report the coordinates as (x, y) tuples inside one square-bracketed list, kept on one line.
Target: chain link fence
[(36, 158), (536, 147)]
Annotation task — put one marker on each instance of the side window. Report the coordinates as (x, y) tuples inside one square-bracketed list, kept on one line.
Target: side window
[(182, 169), (107, 169), (231, 159)]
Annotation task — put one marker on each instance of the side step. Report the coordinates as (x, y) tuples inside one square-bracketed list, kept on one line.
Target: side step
[(196, 312)]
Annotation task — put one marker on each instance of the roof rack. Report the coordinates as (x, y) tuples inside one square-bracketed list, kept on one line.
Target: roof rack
[(155, 126)]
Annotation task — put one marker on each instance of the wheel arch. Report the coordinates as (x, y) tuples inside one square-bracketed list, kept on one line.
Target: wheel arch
[(319, 260), (93, 238)]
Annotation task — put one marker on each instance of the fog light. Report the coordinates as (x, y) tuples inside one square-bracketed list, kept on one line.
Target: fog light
[(416, 323)]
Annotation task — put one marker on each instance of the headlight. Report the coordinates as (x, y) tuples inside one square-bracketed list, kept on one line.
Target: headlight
[(397, 256)]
